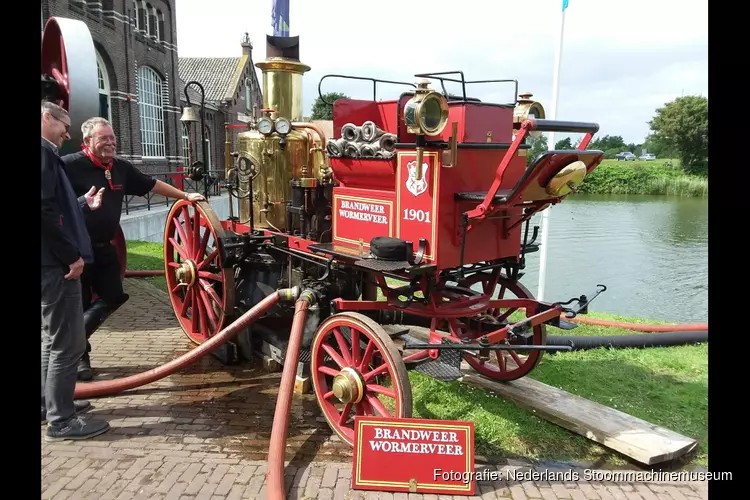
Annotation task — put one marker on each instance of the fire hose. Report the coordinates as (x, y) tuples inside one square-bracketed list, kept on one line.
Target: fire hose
[(277, 448), (107, 387)]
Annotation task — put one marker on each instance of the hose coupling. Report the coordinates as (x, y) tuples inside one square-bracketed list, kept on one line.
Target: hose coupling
[(288, 294), (310, 296)]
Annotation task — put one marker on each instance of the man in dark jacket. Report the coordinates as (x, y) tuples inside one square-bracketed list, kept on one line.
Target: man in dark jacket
[(96, 165), (65, 249)]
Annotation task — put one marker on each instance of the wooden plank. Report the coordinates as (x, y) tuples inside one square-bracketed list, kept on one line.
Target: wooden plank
[(636, 438), (631, 436)]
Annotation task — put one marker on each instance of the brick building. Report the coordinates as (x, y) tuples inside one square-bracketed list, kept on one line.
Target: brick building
[(232, 95), (141, 85)]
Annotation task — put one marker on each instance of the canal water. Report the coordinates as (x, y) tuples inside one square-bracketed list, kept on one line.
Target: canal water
[(650, 251)]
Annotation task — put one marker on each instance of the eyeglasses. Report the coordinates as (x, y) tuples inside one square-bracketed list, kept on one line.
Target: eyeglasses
[(67, 127)]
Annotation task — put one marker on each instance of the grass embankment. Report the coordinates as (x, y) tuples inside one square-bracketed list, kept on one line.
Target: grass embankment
[(644, 177), (667, 386)]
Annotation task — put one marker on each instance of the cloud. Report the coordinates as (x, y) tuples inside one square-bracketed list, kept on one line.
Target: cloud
[(620, 60)]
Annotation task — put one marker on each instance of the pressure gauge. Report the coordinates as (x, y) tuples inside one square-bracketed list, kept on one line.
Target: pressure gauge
[(265, 126), (283, 126)]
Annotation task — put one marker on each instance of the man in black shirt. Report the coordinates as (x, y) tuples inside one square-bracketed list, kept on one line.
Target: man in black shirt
[(97, 165), (65, 249)]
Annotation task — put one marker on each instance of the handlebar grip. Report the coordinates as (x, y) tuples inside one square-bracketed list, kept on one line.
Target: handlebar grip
[(563, 126)]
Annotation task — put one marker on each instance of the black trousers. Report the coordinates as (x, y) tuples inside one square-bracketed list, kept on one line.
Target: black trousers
[(102, 278)]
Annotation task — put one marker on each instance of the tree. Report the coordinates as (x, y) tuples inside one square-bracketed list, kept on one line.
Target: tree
[(538, 146), (682, 125), (323, 111), (564, 144)]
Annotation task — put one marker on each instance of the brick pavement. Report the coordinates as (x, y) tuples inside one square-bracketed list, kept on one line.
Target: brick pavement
[(203, 433)]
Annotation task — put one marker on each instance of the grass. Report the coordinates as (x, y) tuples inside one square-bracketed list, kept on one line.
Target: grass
[(644, 177), (666, 386)]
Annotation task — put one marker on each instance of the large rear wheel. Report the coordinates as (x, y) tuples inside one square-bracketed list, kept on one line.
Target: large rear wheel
[(506, 365), (201, 290)]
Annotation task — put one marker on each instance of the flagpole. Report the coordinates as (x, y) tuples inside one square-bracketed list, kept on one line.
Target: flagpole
[(551, 145)]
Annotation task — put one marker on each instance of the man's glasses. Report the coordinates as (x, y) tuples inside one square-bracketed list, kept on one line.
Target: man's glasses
[(67, 127)]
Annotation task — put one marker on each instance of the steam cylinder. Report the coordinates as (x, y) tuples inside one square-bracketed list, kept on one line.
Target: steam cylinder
[(276, 161)]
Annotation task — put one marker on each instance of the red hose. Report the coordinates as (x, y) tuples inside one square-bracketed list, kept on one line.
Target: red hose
[(107, 387), (638, 327), (277, 446)]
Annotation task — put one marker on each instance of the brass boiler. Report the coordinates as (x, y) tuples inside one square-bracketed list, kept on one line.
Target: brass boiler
[(272, 166)]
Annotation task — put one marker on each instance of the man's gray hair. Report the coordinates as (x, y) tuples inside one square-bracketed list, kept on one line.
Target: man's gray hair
[(89, 125), (53, 109)]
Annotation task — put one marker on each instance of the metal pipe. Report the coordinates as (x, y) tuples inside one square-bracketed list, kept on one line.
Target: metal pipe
[(314, 127), (277, 446), (108, 387)]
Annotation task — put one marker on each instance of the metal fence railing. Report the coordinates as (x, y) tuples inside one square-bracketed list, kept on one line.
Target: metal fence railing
[(178, 179)]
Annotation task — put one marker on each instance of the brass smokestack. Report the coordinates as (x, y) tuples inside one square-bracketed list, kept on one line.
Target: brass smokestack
[(282, 77)]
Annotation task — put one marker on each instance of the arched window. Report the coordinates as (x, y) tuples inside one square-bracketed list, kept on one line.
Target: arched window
[(105, 100), (185, 144), (152, 113)]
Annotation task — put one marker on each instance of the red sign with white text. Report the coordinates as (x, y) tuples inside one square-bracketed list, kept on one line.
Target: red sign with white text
[(413, 455)]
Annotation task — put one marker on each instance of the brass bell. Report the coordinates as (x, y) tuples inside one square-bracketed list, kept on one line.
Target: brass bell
[(189, 114)]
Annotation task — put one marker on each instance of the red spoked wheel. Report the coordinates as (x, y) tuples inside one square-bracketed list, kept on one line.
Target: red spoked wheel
[(353, 360), (201, 290), (121, 248), (506, 365), (69, 60)]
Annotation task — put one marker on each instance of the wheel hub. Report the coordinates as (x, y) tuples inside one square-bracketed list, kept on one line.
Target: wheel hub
[(348, 386), (186, 273)]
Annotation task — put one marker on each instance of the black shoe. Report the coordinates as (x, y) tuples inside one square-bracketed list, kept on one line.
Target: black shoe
[(80, 406), (77, 428), (85, 373)]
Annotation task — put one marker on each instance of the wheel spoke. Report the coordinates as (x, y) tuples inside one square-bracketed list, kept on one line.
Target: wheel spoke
[(195, 238), (344, 416), (334, 355), (367, 356), (378, 406), (355, 347), (209, 310), (182, 253), (186, 302), (178, 228), (211, 276), (381, 390), (327, 370), (374, 373), (208, 259), (186, 231), (343, 347)]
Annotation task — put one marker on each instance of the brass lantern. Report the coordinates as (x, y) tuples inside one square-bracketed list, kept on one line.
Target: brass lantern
[(527, 108), (427, 112)]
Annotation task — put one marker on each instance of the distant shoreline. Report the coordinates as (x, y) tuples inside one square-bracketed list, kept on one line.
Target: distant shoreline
[(644, 177)]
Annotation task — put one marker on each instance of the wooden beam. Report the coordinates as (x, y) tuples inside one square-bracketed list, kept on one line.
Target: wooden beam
[(640, 440), (633, 437)]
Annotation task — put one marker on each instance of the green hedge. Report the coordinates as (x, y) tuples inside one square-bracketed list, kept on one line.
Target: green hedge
[(652, 178)]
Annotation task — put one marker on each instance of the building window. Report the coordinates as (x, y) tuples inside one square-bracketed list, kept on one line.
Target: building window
[(209, 154), (105, 101), (160, 26), (152, 113), (185, 144), (153, 28), (141, 21)]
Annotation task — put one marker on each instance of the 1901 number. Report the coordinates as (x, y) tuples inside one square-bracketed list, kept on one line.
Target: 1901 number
[(417, 215)]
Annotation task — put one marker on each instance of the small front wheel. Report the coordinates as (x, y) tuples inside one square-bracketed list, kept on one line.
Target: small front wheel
[(357, 370)]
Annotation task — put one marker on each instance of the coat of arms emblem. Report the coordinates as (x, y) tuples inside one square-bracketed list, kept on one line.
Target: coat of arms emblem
[(416, 187)]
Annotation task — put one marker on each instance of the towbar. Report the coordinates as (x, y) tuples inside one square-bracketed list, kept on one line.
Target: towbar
[(563, 126)]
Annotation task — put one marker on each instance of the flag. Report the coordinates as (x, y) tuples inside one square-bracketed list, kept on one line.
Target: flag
[(280, 17), (565, 4)]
